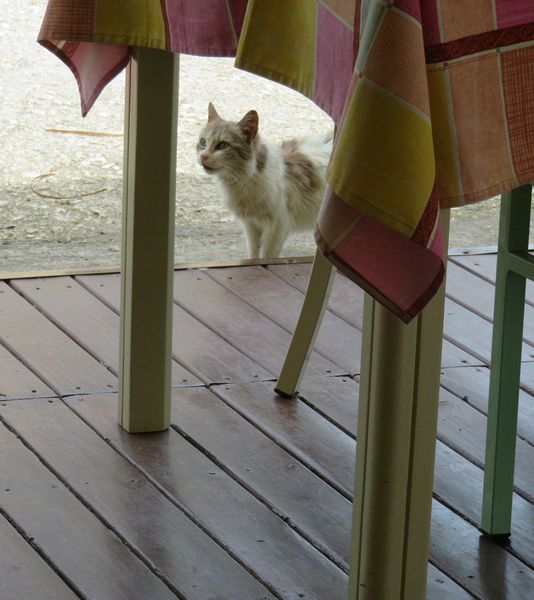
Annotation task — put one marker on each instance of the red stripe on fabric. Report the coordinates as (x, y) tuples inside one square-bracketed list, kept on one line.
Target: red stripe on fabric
[(427, 223), (472, 44)]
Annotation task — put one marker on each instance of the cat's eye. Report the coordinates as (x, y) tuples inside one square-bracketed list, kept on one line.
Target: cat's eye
[(202, 142), (222, 146)]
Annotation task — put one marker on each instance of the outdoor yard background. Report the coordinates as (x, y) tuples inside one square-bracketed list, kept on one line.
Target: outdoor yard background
[(60, 193)]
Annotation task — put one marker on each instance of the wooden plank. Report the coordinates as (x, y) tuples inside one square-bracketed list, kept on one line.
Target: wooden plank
[(83, 548), (485, 266), (282, 303), (478, 295), (24, 574), (334, 397), (458, 482), (293, 490), (17, 381), (261, 539), (205, 353), (148, 521), (472, 386), (322, 446), (482, 566), (527, 377), (273, 474), (237, 322), (464, 429), (77, 313), (472, 576), (53, 356), (346, 298), (473, 333), (85, 319), (346, 301)]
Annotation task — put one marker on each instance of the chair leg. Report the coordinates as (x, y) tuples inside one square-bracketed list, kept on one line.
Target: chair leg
[(148, 241), (505, 365), (311, 315)]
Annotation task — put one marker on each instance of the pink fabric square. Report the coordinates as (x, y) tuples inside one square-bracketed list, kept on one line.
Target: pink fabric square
[(204, 28), (514, 12), (334, 65)]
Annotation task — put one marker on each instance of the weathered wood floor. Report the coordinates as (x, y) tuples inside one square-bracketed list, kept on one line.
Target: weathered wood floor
[(247, 496)]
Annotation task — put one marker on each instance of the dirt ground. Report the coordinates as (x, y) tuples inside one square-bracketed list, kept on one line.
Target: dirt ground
[(60, 174)]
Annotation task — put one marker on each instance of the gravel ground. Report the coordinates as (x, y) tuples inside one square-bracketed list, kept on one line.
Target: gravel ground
[(60, 175)]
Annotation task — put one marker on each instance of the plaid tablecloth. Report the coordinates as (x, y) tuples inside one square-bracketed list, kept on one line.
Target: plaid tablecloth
[(434, 101)]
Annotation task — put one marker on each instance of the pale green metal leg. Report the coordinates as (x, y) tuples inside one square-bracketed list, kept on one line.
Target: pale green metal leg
[(513, 266), (397, 424), (148, 240), (311, 315)]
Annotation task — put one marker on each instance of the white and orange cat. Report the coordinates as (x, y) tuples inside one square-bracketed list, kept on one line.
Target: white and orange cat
[(272, 189)]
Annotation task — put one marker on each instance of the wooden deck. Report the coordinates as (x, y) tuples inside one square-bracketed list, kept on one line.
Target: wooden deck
[(247, 496)]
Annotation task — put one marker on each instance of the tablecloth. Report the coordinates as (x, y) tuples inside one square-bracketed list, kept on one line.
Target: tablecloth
[(434, 101)]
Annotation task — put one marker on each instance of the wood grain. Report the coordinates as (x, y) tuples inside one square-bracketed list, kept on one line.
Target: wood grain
[(241, 325), (82, 547), (199, 348), (128, 503), (242, 523), (281, 302), (53, 356)]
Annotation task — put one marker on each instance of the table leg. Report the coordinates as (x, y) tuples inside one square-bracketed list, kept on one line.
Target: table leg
[(148, 240), (397, 425)]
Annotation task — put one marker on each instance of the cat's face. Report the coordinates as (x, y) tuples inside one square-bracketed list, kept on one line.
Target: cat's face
[(225, 148)]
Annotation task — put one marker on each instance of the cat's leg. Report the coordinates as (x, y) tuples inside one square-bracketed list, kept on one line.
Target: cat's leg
[(253, 234), (273, 238)]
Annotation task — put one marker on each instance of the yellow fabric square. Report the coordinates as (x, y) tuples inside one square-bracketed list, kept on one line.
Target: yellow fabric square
[(384, 160), (131, 21), (289, 55)]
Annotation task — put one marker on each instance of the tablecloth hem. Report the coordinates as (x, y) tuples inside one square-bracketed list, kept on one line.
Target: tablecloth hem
[(86, 102), (286, 80), (494, 190), (430, 278)]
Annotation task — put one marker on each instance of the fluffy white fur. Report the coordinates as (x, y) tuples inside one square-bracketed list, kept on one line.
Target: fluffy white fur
[(273, 189)]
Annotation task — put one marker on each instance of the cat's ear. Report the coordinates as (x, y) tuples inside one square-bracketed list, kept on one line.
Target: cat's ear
[(213, 115), (249, 125)]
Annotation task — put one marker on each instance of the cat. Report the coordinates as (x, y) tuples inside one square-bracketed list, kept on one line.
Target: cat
[(272, 189)]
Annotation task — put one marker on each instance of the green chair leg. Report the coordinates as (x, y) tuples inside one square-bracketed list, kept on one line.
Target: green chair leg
[(513, 266)]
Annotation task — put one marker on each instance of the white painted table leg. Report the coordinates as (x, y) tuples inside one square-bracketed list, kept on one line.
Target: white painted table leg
[(311, 316), (397, 424), (148, 240)]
